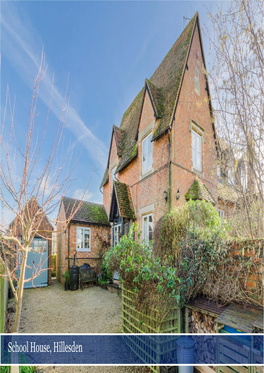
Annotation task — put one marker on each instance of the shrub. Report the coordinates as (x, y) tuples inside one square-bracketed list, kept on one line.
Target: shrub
[(154, 284), (66, 276)]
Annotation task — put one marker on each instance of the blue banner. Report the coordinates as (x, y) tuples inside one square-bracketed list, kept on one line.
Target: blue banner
[(125, 349)]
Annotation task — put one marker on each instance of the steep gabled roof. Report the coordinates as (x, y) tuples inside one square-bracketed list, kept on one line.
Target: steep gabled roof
[(198, 190), (124, 200), (227, 193), (105, 178), (118, 138), (88, 212), (163, 87)]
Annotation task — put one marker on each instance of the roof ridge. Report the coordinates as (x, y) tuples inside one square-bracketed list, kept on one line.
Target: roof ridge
[(80, 200)]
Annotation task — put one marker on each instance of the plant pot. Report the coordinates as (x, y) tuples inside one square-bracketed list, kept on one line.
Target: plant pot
[(66, 286)]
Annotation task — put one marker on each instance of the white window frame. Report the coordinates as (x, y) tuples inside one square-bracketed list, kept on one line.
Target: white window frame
[(219, 171), (195, 152), (83, 249), (221, 214), (145, 234), (231, 176), (116, 236), (197, 81), (113, 177), (148, 161)]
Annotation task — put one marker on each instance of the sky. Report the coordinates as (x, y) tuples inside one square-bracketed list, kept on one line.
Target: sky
[(101, 52)]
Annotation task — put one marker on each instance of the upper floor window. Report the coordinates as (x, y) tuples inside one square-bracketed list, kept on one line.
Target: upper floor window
[(197, 81), (147, 153), (243, 177), (83, 239), (148, 228), (113, 177), (219, 171), (230, 176), (197, 150)]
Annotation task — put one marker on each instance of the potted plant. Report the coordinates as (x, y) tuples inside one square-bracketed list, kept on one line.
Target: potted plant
[(66, 276)]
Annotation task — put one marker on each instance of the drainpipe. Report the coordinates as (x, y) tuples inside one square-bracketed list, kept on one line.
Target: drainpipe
[(69, 246), (169, 169)]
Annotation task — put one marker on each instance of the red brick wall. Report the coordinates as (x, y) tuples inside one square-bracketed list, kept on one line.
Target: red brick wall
[(251, 249), (191, 106), (99, 233)]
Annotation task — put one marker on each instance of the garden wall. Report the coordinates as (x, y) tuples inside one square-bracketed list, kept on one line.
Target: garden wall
[(254, 280)]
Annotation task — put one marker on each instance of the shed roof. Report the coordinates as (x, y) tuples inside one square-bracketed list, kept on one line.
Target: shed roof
[(198, 190), (88, 212)]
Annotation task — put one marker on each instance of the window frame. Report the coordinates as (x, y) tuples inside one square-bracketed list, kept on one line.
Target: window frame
[(221, 214), (143, 229), (113, 177), (149, 167), (115, 242), (195, 152), (83, 249)]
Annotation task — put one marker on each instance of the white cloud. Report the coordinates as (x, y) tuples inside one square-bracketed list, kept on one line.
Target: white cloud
[(22, 46), (79, 194)]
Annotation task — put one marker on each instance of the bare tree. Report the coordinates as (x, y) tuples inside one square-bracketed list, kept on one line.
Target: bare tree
[(237, 78), (33, 180)]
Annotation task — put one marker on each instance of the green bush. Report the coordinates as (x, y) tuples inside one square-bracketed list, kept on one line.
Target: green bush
[(66, 276), (154, 284), (22, 369)]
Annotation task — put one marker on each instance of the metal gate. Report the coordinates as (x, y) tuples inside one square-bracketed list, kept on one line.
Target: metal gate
[(37, 261)]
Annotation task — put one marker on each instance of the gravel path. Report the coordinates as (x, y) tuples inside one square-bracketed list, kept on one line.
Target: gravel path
[(53, 310)]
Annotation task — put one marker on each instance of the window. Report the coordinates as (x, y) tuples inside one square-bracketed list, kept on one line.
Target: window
[(147, 228), (117, 234), (230, 176), (83, 239), (243, 177), (219, 172), (197, 150), (197, 81), (113, 177), (221, 214), (147, 153)]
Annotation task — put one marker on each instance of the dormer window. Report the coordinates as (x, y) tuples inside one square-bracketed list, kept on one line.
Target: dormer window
[(147, 154)]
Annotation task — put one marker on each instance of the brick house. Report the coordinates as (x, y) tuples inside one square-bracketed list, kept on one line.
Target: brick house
[(85, 235), (39, 258), (165, 150)]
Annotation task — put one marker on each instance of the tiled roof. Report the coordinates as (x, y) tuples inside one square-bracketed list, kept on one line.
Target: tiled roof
[(164, 86), (124, 200), (88, 212), (227, 193), (164, 89), (198, 190), (118, 137), (105, 178)]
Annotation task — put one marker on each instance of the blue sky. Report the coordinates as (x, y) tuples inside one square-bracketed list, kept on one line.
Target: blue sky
[(106, 48)]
